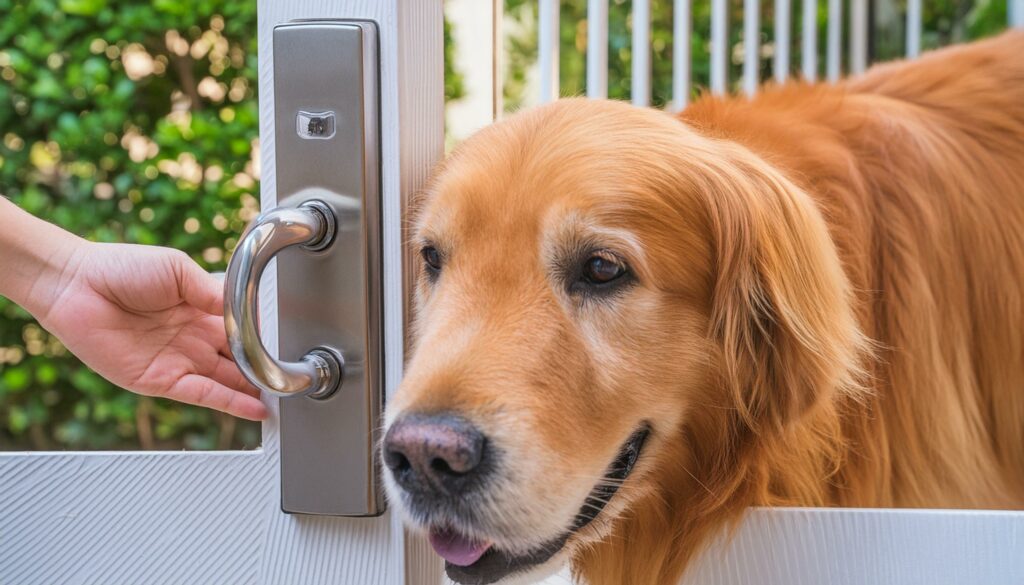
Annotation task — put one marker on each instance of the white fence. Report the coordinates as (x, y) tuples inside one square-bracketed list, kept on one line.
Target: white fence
[(597, 44)]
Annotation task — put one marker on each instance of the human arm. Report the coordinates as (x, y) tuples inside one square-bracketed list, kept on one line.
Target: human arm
[(148, 319)]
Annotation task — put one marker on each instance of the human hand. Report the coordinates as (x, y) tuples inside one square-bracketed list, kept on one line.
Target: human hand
[(148, 319)]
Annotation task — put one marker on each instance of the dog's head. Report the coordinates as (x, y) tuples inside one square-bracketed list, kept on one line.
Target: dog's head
[(593, 278)]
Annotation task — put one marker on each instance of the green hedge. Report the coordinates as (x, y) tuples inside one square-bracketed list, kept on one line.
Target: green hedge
[(944, 22), (124, 121)]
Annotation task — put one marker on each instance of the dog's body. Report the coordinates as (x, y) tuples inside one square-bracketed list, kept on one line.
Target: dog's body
[(918, 169), (826, 308)]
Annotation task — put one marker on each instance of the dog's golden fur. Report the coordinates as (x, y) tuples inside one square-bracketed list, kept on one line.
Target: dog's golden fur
[(918, 171), (829, 306)]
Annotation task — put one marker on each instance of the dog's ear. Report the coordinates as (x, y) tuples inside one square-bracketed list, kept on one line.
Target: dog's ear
[(781, 307)]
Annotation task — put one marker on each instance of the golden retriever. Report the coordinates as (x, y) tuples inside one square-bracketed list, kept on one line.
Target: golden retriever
[(631, 326)]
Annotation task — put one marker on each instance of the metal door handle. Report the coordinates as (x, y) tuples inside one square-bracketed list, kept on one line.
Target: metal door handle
[(318, 373)]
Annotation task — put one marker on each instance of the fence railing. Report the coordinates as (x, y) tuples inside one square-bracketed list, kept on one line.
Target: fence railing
[(597, 44)]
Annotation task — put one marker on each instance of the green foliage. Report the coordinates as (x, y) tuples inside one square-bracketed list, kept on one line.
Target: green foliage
[(944, 22), (453, 85), (128, 122), (124, 121), (573, 46)]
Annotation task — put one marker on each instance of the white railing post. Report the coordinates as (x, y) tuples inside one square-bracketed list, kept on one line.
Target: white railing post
[(497, 64), (719, 46), (913, 28), (751, 45), (782, 28), (641, 88), (834, 40), (1015, 12), (809, 40), (858, 36), (680, 54), (548, 33), (597, 48)]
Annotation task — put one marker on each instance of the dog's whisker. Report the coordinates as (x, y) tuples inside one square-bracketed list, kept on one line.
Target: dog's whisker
[(699, 482)]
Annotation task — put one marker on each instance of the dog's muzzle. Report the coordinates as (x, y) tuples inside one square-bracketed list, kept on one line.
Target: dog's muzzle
[(470, 562)]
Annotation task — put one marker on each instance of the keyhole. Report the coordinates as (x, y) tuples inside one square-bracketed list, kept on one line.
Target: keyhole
[(316, 127)]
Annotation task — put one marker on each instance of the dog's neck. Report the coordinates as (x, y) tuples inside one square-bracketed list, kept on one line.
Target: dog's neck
[(701, 487)]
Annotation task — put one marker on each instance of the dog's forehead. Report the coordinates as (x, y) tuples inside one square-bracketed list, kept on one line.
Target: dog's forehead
[(492, 211), (598, 163), (490, 201), (476, 202)]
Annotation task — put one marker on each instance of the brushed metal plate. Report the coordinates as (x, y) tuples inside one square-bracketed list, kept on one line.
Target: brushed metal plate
[(331, 298)]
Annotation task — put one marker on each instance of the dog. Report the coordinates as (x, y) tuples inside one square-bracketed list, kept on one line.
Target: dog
[(632, 326)]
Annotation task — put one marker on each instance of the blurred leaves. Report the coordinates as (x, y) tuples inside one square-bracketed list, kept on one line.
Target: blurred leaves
[(122, 122), (944, 22), (125, 121)]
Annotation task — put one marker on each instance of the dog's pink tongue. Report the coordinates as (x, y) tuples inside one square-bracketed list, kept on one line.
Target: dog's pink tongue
[(456, 548)]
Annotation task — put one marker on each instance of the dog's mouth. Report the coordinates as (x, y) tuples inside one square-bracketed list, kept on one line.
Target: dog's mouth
[(476, 562)]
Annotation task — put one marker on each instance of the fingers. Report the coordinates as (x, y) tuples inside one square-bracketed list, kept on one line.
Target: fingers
[(215, 335), (226, 373), (199, 288), (223, 368), (203, 391)]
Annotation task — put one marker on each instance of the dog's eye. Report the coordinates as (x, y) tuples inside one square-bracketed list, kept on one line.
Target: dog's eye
[(600, 269), (432, 259)]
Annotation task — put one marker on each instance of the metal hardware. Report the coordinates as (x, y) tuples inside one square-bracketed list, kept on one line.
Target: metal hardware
[(315, 126), (331, 298), (318, 373)]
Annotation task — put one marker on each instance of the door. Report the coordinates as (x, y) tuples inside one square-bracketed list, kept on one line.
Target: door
[(216, 517)]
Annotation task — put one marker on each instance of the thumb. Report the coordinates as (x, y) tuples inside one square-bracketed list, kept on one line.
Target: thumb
[(199, 288)]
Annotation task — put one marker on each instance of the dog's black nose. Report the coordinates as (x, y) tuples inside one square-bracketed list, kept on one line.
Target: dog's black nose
[(435, 454)]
